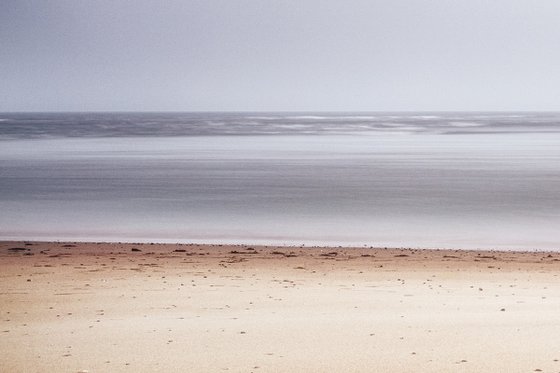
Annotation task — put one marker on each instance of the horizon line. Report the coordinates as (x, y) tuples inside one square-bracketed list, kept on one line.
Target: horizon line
[(269, 111)]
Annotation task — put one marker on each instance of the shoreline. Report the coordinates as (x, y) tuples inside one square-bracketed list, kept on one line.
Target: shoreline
[(225, 243), (125, 307)]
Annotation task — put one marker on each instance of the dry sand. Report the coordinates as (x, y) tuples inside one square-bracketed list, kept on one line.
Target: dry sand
[(202, 308)]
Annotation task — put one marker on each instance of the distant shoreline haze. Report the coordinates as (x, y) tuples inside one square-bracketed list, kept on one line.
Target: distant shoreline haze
[(125, 124)]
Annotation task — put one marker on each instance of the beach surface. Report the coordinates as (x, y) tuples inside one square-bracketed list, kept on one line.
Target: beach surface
[(100, 307)]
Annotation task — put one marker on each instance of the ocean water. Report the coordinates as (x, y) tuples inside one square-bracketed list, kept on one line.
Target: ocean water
[(444, 180)]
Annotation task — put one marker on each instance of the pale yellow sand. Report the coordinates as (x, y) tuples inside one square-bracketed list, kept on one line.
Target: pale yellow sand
[(105, 308)]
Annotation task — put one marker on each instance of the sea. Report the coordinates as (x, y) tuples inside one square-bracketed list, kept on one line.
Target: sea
[(421, 180)]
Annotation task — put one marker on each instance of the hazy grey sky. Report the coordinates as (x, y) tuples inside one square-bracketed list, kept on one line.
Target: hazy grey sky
[(279, 55)]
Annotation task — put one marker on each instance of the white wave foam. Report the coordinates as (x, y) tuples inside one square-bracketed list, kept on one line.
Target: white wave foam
[(334, 117), (424, 117)]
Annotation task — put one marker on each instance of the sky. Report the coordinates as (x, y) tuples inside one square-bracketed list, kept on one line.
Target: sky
[(276, 55)]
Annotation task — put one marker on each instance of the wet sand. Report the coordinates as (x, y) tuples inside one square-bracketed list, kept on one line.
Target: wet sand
[(77, 307)]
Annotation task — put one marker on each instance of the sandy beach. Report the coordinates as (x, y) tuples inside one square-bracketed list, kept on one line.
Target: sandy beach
[(98, 307)]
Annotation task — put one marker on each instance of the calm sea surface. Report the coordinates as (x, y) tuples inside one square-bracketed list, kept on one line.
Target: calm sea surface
[(476, 180)]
